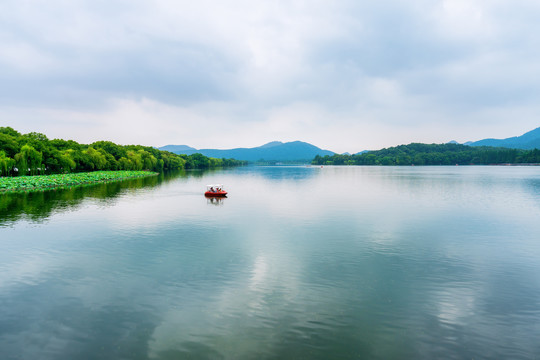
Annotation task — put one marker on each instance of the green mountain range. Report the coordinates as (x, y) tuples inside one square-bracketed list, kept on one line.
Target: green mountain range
[(527, 141), (272, 151)]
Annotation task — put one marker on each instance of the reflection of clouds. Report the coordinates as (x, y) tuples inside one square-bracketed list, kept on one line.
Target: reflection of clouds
[(176, 201), (455, 304), (286, 263), (26, 270), (237, 320), (281, 173), (259, 272), (390, 195)]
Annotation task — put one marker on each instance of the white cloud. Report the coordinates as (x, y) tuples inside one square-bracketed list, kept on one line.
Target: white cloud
[(463, 20), (344, 75)]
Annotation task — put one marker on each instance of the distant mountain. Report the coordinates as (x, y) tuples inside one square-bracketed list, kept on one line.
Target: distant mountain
[(527, 141), (273, 151), (175, 148), (272, 144)]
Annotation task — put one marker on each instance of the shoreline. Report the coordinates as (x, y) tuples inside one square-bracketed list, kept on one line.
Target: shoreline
[(53, 181)]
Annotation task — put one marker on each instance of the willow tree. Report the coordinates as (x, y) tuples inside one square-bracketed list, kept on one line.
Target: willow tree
[(149, 161), (67, 164), (135, 160), (98, 161), (28, 159), (6, 164)]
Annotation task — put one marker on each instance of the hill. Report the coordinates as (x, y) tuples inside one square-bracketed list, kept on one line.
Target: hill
[(174, 148), (435, 154), (273, 151), (527, 141)]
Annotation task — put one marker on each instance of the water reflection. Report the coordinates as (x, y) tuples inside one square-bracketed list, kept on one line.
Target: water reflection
[(415, 263), (280, 173), (215, 201), (40, 205)]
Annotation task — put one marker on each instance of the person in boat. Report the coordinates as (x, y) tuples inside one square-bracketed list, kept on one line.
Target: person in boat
[(212, 189)]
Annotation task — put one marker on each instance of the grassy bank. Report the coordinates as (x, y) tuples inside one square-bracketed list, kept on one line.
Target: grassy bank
[(34, 183)]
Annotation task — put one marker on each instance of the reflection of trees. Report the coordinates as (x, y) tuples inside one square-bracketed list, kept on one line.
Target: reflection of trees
[(37, 206), (198, 173)]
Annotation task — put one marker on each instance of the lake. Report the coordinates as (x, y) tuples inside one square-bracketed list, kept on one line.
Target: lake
[(297, 263)]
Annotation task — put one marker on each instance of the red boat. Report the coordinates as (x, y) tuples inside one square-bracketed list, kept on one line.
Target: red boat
[(215, 190)]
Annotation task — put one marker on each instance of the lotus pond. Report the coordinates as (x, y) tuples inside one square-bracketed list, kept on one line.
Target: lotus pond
[(35, 183)]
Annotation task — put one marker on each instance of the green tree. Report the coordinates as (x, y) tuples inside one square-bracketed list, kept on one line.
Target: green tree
[(8, 144), (28, 159), (197, 161), (66, 161), (34, 152), (149, 161), (135, 160), (6, 164), (97, 160)]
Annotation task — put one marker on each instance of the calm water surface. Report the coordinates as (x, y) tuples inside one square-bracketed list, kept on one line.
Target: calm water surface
[(297, 263)]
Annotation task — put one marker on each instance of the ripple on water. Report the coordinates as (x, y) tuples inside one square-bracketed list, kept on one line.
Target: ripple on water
[(417, 263)]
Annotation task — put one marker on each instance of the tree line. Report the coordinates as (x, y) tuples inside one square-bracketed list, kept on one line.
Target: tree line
[(34, 153), (434, 154)]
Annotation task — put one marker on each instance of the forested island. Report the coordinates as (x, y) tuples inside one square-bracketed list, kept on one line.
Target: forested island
[(35, 154), (434, 154)]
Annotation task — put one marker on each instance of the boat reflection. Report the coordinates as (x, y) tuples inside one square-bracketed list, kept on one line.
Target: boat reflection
[(217, 201)]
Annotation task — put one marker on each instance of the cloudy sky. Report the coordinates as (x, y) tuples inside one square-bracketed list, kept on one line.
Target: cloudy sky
[(345, 75)]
